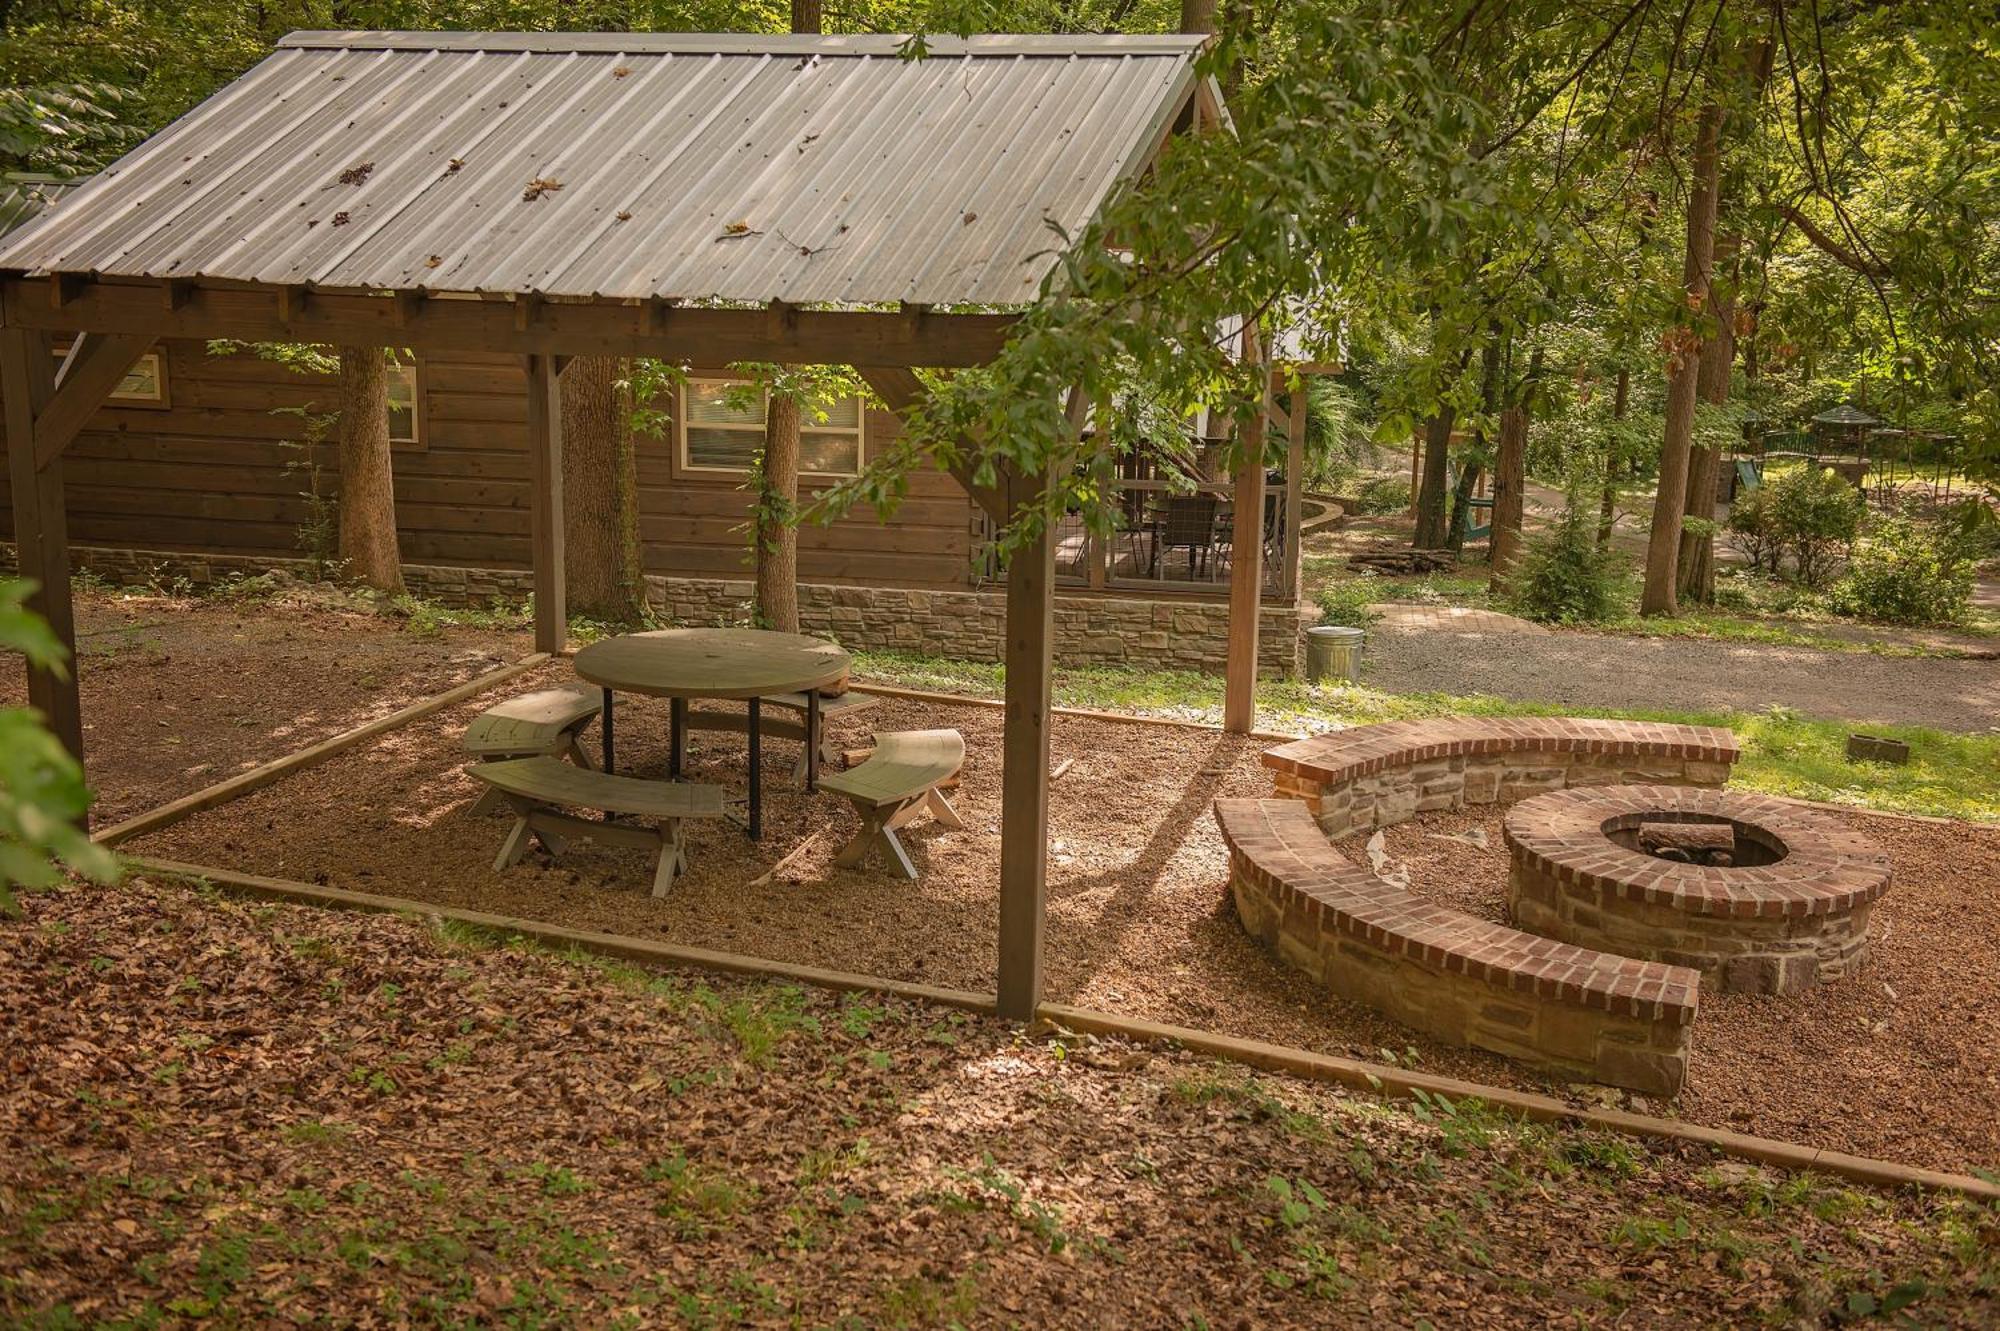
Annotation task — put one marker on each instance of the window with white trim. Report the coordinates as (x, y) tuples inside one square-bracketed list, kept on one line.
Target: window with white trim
[(721, 431)]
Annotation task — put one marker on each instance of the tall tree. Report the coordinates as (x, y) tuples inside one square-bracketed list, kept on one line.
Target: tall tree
[(367, 483), (604, 576), (1510, 472), (1682, 343)]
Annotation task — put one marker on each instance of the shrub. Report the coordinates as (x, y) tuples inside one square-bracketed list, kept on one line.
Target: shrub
[(1815, 516), (1563, 578), (1347, 601), (1907, 572), (1752, 531), (1382, 494)]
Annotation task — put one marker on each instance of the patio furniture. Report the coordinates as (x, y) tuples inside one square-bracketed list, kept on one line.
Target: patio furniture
[(844, 704), (1188, 521), (539, 789), (545, 723), (733, 664), (898, 782)]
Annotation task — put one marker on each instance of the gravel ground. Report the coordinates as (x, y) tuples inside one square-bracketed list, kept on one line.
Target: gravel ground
[(1610, 671), (1139, 918)]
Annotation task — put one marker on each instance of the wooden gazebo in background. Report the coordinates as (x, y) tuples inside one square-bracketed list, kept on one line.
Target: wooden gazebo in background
[(791, 199)]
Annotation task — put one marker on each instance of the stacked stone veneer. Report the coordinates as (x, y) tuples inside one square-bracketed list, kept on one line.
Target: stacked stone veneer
[(1776, 928), (1623, 1020), (1090, 630)]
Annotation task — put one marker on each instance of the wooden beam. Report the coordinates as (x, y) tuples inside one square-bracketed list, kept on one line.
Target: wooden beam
[(1024, 788), (95, 365), (41, 533), (521, 327), (545, 503), (1295, 484), (1246, 566)]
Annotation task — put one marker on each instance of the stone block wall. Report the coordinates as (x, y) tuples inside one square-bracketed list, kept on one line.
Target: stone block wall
[(969, 625)]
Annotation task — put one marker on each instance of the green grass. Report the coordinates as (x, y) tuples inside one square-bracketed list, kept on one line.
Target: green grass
[(1949, 775)]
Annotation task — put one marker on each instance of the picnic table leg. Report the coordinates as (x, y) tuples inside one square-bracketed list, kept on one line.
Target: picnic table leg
[(677, 710), (756, 774), (813, 723), (608, 768)]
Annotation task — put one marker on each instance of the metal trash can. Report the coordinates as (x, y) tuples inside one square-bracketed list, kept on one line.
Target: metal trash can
[(1333, 651)]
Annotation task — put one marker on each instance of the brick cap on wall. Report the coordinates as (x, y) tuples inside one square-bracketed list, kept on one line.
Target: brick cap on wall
[(1343, 755)]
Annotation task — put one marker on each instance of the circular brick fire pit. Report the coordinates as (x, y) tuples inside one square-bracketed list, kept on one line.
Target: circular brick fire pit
[(1757, 895)]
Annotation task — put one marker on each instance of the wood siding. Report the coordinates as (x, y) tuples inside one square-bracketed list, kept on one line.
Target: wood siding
[(220, 470)]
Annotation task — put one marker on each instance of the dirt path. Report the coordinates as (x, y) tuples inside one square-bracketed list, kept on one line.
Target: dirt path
[(1609, 670)]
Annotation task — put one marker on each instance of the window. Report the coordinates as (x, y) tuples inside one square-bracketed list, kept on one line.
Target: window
[(404, 417), (721, 433), (144, 385)]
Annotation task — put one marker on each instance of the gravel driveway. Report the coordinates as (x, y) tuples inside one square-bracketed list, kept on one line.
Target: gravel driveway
[(1602, 670)]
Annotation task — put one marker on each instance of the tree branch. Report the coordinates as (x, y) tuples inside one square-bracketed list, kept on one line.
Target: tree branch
[(1872, 269)]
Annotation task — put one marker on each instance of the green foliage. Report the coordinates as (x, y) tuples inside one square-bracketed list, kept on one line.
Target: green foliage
[(1907, 572), (42, 791), (1382, 494), (1348, 600), (1563, 577), (1814, 515), (65, 129)]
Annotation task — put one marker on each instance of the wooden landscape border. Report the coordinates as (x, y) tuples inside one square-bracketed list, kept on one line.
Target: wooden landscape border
[(222, 792), (1355, 1074)]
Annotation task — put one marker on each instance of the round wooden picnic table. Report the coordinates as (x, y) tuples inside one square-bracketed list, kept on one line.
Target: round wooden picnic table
[(747, 664)]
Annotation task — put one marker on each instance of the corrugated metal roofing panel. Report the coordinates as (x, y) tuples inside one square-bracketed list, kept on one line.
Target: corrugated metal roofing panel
[(812, 170), (24, 196)]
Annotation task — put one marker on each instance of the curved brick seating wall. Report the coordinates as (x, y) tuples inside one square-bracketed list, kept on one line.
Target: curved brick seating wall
[(1372, 776), (1462, 979), (1776, 928), (1615, 1019)]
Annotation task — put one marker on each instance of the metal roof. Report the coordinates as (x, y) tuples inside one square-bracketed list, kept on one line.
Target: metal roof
[(24, 196), (810, 170), (1845, 414)]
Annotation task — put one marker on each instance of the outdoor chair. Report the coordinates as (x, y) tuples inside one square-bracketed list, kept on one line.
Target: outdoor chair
[(1188, 523)]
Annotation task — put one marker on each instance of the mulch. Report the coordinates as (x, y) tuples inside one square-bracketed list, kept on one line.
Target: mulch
[(1139, 922), (216, 1112)]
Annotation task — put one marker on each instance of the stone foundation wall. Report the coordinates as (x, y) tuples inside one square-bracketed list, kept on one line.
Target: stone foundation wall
[(969, 625)]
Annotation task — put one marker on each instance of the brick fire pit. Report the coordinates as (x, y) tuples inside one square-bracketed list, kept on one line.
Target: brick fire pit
[(1758, 895)]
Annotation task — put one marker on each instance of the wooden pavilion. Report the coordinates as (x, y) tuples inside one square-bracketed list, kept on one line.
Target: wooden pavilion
[(791, 199)]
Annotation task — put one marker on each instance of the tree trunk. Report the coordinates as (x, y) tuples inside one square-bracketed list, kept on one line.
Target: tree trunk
[(805, 16), (777, 533), (1430, 533), (603, 578), (367, 481), (1198, 16), (1663, 543), (1510, 477), (1718, 353), (1607, 507)]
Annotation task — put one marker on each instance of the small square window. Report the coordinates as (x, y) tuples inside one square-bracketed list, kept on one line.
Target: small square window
[(404, 422), (144, 385)]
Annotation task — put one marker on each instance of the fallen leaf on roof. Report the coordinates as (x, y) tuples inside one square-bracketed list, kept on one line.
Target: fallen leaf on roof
[(341, 219), (456, 163), (354, 175), (434, 261), (621, 71), (968, 219), (623, 216), (736, 228), (539, 186)]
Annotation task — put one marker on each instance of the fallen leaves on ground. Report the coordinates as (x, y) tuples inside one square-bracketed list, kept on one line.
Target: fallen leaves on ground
[(274, 1115)]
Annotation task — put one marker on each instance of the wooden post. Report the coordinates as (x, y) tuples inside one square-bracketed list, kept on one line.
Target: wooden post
[(1024, 792), (41, 532), (545, 503), (1246, 566), (1295, 484)]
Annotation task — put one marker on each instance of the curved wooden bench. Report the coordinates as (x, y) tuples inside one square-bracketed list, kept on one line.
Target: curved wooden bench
[(898, 781), (538, 788), (1462, 979), (1372, 776), (547, 722)]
